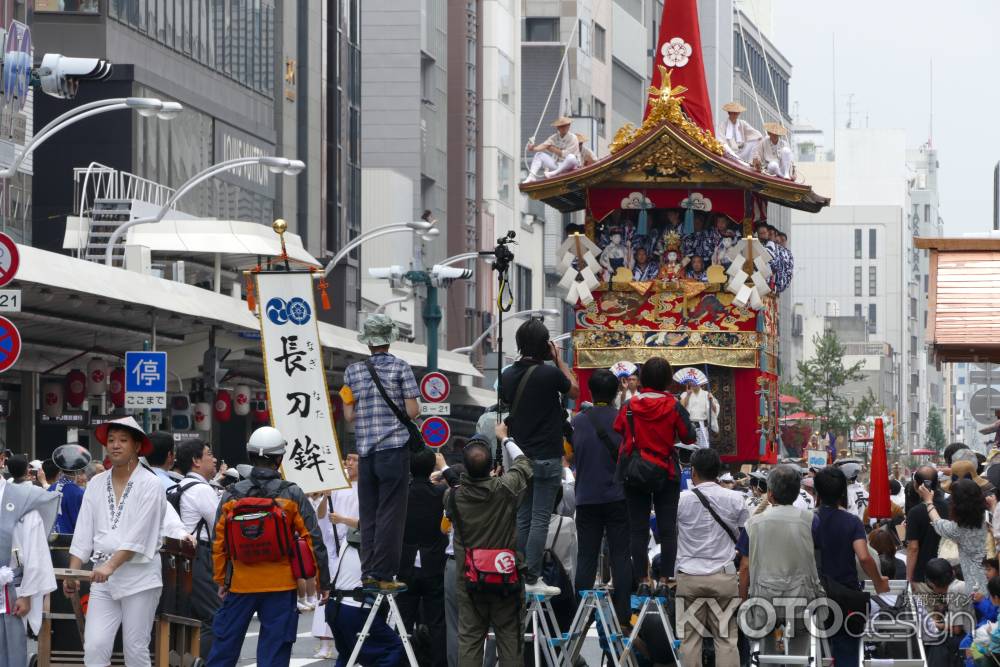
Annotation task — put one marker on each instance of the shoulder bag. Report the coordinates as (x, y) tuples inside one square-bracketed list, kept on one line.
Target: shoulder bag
[(853, 603), (715, 515), (486, 570), (636, 472), (415, 441), (602, 435)]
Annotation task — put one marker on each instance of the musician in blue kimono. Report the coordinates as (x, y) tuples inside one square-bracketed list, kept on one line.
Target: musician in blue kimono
[(645, 268)]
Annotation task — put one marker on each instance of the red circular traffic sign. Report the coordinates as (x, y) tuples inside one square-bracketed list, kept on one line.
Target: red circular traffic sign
[(10, 344), (10, 259), (434, 387), (435, 431)]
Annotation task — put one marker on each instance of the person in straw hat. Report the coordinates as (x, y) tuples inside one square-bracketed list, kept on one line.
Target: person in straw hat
[(773, 156), (383, 449), (119, 530), (560, 151), (739, 137)]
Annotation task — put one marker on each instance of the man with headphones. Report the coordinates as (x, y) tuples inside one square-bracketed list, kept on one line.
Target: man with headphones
[(921, 539)]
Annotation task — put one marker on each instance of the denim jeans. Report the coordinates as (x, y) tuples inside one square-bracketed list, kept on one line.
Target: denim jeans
[(534, 513)]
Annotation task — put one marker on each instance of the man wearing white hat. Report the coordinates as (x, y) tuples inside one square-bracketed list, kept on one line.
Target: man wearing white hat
[(773, 156), (739, 137), (561, 152)]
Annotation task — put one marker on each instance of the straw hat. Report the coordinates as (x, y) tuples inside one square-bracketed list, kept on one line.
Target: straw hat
[(561, 120), (775, 128), (145, 444), (964, 470), (733, 107)]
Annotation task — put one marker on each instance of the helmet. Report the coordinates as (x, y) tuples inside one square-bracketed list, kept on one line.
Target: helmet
[(851, 470), (266, 441)]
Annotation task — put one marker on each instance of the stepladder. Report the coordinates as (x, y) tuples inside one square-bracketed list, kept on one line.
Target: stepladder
[(542, 629), (596, 607), (651, 605), (395, 621)]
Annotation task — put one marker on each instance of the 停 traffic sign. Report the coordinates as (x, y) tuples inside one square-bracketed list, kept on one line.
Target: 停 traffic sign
[(146, 380), (434, 387), (435, 431), (10, 344), (10, 259)]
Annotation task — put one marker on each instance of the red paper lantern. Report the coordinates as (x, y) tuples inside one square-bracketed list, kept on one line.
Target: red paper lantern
[(223, 405), (97, 377), (76, 387), (116, 386), (202, 417)]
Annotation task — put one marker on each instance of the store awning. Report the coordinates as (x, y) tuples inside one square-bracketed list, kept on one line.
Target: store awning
[(78, 304), (241, 242), (963, 322)]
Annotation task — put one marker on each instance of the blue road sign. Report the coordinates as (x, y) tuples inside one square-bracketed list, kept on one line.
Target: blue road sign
[(435, 431), (146, 380)]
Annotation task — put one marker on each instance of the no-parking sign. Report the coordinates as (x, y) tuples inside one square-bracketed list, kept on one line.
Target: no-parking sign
[(435, 431), (10, 344), (10, 259)]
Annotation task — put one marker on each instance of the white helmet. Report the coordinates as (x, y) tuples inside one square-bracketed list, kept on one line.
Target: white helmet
[(266, 441)]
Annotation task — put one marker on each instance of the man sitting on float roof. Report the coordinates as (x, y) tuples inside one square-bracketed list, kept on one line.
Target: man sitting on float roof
[(739, 137), (773, 156)]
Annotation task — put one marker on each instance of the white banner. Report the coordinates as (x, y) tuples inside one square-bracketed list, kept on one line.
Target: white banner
[(297, 394)]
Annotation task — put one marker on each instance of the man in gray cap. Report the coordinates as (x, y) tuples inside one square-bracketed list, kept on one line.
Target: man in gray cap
[(382, 442)]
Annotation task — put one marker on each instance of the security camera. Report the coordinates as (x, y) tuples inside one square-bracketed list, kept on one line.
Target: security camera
[(450, 272), (394, 272), (60, 76)]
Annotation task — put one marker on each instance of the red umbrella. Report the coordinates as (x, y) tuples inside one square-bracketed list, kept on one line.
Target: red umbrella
[(879, 506), (785, 399)]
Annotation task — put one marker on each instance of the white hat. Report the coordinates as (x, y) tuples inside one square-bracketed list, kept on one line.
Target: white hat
[(727, 477)]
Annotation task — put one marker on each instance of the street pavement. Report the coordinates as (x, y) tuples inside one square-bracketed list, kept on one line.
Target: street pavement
[(307, 645)]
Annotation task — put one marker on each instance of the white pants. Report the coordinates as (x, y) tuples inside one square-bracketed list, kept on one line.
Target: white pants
[(569, 164), (320, 630), (134, 613), (744, 154), (783, 165), (541, 161)]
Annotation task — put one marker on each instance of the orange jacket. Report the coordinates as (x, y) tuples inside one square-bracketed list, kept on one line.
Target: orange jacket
[(268, 577)]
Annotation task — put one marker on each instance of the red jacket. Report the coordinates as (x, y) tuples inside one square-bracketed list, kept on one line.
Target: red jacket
[(660, 421)]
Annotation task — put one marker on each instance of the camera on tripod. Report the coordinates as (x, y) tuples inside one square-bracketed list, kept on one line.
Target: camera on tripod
[(503, 255)]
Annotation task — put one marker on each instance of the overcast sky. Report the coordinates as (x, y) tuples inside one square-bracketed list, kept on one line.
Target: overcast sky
[(883, 54)]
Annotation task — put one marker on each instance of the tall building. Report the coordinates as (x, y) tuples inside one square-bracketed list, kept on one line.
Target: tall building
[(857, 257)]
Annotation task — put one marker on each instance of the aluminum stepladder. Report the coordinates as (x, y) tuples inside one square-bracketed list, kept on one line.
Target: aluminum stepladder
[(395, 622), (883, 629), (812, 658), (542, 628), (597, 603), (655, 605)]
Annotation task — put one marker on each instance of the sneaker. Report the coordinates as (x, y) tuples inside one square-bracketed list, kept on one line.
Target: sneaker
[(303, 606), (644, 590), (539, 587), (323, 654)]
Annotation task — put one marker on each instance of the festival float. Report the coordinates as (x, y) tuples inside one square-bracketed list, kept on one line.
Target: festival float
[(653, 207)]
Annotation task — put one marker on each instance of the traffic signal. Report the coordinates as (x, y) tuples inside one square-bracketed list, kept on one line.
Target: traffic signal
[(211, 369)]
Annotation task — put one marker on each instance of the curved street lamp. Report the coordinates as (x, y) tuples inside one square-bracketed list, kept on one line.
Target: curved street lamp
[(423, 227), (146, 106), (535, 312), (277, 165)]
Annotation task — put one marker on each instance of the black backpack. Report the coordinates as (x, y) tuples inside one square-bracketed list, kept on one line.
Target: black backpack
[(174, 494)]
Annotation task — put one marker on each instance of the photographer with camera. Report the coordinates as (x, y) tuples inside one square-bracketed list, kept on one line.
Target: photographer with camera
[(534, 391)]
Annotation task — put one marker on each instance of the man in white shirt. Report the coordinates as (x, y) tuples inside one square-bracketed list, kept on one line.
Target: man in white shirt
[(198, 503), (773, 156), (561, 150), (739, 137), (706, 572)]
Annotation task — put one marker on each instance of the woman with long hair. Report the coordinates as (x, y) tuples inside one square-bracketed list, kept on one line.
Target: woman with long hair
[(966, 527)]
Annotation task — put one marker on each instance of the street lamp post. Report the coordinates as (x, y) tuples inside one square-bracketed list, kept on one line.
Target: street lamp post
[(421, 226), (146, 106), (277, 165)]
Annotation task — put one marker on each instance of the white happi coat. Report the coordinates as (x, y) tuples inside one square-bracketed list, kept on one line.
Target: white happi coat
[(30, 540), (741, 138), (135, 523)]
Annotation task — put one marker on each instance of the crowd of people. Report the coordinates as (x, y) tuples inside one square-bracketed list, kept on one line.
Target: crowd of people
[(625, 495)]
